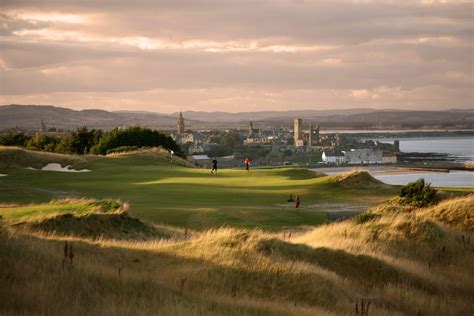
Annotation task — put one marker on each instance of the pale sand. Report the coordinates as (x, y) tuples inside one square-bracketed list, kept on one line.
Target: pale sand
[(3, 175), (57, 167)]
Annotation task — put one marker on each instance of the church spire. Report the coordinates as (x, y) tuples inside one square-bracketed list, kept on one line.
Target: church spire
[(180, 124)]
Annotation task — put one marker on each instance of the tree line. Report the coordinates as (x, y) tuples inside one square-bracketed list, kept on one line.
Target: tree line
[(92, 141)]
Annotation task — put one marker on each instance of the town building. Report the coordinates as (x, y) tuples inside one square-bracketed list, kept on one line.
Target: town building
[(331, 156), (364, 156), (389, 157), (298, 132), (199, 160), (180, 124)]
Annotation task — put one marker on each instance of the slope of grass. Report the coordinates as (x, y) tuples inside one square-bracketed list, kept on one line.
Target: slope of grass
[(171, 194), (85, 218), (358, 179), (59, 207), (457, 213), (19, 157), (228, 271)]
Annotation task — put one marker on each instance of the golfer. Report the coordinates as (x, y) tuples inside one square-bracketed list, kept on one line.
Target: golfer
[(297, 201), (214, 166), (247, 164)]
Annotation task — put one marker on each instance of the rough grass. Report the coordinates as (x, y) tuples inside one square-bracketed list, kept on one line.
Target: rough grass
[(458, 213), (22, 158), (357, 179), (84, 218), (158, 153), (403, 269)]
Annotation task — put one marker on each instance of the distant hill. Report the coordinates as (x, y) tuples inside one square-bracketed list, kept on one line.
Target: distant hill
[(266, 115), (30, 116)]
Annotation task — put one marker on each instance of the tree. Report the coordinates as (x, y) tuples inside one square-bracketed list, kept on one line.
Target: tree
[(14, 139), (42, 142), (231, 140), (80, 141), (134, 136)]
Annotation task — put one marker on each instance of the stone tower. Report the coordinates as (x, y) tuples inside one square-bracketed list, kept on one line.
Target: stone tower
[(250, 129), (43, 127), (316, 135), (297, 130), (180, 124), (310, 135)]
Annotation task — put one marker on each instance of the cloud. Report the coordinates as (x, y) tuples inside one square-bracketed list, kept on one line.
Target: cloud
[(203, 54)]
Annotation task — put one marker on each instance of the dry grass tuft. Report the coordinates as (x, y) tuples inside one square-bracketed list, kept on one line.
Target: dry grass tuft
[(390, 264)]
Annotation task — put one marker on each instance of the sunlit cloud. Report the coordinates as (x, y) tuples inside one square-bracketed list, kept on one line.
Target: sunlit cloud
[(53, 17), (164, 56)]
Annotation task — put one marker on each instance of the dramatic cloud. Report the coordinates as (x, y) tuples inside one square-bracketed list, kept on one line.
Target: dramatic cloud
[(236, 55)]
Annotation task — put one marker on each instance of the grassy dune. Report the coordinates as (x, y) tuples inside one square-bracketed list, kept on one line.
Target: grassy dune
[(148, 238), (398, 260)]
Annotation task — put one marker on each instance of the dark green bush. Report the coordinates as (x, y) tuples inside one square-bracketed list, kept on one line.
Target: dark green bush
[(418, 194), (14, 139), (134, 136), (79, 141), (42, 143)]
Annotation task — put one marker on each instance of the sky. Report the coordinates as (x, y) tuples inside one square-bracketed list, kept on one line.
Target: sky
[(237, 55)]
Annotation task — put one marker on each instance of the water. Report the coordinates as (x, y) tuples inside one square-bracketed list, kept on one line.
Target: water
[(459, 148), (453, 179)]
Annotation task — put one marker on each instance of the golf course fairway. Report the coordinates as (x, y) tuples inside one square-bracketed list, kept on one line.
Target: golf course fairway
[(172, 194)]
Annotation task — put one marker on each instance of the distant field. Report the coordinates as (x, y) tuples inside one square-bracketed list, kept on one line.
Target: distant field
[(187, 197)]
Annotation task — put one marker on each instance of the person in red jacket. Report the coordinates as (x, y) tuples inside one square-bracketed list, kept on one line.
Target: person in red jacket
[(247, 164), (297, 201)]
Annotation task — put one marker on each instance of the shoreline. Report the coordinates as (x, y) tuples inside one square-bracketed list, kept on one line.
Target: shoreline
[(386, 170)]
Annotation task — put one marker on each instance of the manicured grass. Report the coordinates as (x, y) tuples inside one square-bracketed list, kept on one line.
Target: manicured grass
[(191, 197)]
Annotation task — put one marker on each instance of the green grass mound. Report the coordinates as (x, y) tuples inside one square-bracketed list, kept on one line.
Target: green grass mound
[(357, 179), (81, 218), (110, 226), (157, 153), (77, 207), (22, 158)]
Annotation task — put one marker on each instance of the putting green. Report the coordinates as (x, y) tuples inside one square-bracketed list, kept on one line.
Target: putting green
[(191, 197)]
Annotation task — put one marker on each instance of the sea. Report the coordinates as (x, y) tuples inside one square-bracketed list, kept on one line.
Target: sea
[(459, 149), (453, 179)]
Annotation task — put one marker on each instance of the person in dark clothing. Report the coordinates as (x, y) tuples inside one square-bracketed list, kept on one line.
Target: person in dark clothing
[(291, 198), (214, 165), (297, 201)]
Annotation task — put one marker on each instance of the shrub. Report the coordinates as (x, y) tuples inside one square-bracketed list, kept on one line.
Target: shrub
[(14, 139), (418, 194), (42, 142)]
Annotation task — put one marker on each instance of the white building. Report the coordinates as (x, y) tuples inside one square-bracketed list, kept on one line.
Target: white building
[(364, 156), (333, 157)]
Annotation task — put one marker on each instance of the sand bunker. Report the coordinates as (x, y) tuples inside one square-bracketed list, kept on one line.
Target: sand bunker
[(57, 167), (3, 175)]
